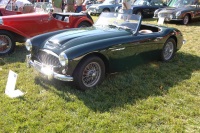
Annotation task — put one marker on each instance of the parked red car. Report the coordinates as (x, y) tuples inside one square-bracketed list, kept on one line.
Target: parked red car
[(18, 28), (10, 9)]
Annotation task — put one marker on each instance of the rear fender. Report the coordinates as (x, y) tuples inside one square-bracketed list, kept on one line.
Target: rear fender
[(83, 19)]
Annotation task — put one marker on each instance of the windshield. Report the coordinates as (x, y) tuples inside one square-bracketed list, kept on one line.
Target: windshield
[(180, 3), (141, 2), (117, 20), (108, 2)]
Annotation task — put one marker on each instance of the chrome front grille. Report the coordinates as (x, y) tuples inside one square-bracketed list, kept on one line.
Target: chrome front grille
[(164, 15), (48, 58)]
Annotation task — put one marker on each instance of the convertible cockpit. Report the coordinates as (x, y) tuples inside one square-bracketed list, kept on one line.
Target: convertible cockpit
[(147, 29)]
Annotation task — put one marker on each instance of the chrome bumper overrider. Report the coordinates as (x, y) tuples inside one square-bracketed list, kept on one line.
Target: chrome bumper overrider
[(184, 41), (46, 71)]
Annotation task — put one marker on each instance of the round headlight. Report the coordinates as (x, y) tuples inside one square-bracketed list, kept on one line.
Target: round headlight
[(63, 59), (178, 13), (28, 45)]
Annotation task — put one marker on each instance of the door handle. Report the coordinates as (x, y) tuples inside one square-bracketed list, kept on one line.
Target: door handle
[(117, 49)]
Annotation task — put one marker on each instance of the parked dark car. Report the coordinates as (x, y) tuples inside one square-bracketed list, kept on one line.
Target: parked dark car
[(145, 8), (179, 10), (85, 55)]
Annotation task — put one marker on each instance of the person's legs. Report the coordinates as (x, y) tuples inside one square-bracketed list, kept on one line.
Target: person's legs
[(71, 8)]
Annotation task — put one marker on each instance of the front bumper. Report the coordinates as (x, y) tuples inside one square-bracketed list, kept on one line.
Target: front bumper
[(46, 71), (168, 18)]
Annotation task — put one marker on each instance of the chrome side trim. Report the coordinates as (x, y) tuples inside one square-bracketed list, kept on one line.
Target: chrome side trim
[(51, 75)]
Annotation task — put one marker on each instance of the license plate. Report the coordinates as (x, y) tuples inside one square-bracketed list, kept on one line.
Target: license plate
[(161, 20)]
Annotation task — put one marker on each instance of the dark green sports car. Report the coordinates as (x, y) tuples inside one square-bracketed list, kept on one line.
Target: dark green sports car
[(85, 55)]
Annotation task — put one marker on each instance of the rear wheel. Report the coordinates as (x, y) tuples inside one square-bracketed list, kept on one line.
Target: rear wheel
[(168, 50), (89, 73), (7, 44), (84, 24), (186, 19)]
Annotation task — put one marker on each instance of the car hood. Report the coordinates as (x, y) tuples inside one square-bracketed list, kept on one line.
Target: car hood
[(173, 9), (83, 38)]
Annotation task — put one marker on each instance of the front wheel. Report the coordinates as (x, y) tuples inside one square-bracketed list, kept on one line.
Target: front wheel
[(168, 50), (7, 44), (89, 73), (185, 20)]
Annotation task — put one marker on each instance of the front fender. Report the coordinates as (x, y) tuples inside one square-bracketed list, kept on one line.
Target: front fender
[(11, 29)]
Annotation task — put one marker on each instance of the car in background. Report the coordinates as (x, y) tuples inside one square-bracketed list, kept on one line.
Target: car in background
[(85, 55), (43, 7), (145, 8), (179, 10), (18, 28), (10, 9), (106, 6), (89, 3)]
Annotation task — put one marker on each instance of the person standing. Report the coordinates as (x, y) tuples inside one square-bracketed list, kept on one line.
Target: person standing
[(69, 5), (126, 7), (62, 6), (79, 4), (20, 4)]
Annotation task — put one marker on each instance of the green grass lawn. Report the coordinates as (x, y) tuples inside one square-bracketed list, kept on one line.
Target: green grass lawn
[(152, 97)]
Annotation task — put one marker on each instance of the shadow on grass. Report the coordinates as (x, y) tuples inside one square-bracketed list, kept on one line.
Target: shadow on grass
[(117, 90), (195, 22), (19, 55)]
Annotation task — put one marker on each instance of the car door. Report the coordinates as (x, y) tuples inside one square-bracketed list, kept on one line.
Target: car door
[(131, 53), (38, 24), (198, 9)]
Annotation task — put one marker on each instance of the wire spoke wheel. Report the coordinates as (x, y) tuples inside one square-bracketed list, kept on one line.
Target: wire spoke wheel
[(91, 74), (5, 44), (186, 20), (168, 50)]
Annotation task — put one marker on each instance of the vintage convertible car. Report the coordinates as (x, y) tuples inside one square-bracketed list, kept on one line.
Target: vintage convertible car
[(10, 9), (179, 10), (106, 6), (85, 55), (17, 28), (145, 8)]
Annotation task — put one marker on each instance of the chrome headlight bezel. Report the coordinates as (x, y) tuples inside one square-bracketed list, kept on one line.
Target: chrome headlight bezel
[(28, 45), (178, 13), (156, 11), (63, 59)]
